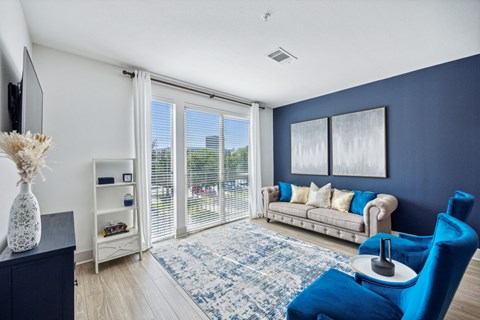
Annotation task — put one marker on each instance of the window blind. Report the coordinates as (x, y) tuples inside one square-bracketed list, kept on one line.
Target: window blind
[(217, 168), (162, 201), (236, 182)]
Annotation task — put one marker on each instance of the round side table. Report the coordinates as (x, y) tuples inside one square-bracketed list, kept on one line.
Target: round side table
[(362, 264)]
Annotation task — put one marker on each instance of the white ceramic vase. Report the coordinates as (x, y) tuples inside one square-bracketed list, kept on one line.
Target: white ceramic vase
[(24, 225)]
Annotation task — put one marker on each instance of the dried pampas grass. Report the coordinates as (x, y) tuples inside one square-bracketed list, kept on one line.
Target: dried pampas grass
[(28, 151)]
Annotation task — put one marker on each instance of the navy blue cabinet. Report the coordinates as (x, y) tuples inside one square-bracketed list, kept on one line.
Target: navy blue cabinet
[(39, 284)]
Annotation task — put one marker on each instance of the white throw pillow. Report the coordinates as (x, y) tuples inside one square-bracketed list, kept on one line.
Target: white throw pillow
[(319, 197), (314, 187)]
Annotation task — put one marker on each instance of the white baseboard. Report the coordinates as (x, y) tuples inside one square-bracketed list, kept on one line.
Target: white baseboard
[(83, 256)]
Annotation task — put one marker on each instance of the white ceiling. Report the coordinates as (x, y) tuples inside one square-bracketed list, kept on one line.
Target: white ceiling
[(222, 44)]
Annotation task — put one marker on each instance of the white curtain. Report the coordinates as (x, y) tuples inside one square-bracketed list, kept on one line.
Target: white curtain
[(255, 164), (142, 101)]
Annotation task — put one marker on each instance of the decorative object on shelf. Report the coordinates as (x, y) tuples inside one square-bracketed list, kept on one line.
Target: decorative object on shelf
[(127, 177), (29, 152), (381, 265), (359, 144), (106, 180), (128, 200), (309, 147), (113, 229)]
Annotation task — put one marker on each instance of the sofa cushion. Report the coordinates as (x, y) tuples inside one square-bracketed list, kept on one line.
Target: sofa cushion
[(293, 209), (336, 218)]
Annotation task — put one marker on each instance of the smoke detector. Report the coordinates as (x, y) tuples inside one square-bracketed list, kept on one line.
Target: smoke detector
[(282, 56)]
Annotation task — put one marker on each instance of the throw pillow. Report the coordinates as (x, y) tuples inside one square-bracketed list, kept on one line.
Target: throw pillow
[(341, 200), (285, 189), (299, 194), (313, 186), (360, 200), (319, 197)]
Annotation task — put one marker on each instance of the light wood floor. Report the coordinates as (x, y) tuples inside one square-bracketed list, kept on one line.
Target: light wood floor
[(127, 288)]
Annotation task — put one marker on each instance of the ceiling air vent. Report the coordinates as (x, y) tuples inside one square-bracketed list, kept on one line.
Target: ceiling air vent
[(281, 56)]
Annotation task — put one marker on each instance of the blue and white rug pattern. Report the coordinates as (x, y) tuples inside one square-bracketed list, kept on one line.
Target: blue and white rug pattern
[(243, 271)]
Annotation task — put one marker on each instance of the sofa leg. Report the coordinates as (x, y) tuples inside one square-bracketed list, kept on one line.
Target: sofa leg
[(268, 220)]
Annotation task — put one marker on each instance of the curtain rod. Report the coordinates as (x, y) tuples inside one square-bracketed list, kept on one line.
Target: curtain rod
[(210, 95)]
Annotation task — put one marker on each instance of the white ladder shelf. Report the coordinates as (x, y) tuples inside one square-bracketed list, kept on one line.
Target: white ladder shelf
[(119, 245)]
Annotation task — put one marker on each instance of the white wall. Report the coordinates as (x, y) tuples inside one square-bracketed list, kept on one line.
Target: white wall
[(14, 36), (88, 113)]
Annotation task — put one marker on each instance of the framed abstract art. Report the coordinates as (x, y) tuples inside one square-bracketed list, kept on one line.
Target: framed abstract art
[(359, 144), (309, 147)]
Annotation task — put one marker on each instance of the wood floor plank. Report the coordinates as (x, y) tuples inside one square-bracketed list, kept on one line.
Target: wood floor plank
[(176, 299), (92, 282), (183, 293), (152, 266), (98, 307), (465, 304), (117, 299), (154, 269), (127, 288), (80, 303), (160, 307)]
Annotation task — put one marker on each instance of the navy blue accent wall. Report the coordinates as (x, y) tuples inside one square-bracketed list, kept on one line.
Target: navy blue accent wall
[(433, 139)]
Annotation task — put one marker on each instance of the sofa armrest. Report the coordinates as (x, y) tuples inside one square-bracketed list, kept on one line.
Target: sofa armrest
[(385, 203), (377, 212), (269, 194)]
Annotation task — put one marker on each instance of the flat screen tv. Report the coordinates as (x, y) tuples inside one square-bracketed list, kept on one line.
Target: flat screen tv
[(26, 100)]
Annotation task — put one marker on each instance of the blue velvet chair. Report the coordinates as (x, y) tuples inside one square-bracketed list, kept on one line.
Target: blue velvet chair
[(336, 295), (413, 250)]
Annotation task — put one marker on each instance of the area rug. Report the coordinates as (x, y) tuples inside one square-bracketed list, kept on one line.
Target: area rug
[(243, 271)]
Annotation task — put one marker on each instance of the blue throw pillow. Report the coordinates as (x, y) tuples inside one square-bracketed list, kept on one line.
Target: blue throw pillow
[(285, 189), (360, 200)]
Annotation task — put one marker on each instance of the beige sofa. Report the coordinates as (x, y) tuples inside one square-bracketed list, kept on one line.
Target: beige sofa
[(344, 225)]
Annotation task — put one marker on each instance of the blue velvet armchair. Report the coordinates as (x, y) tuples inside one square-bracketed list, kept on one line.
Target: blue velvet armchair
[(336, 295), (413, 250)]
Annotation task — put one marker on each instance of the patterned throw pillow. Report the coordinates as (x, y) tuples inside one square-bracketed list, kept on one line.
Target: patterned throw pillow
[(360, 200), (285, 189), (341, 200), (320, 197), (299, 194)]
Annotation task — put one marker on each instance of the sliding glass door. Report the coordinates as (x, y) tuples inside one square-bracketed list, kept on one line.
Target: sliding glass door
[(162, 216), (216, 168)]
